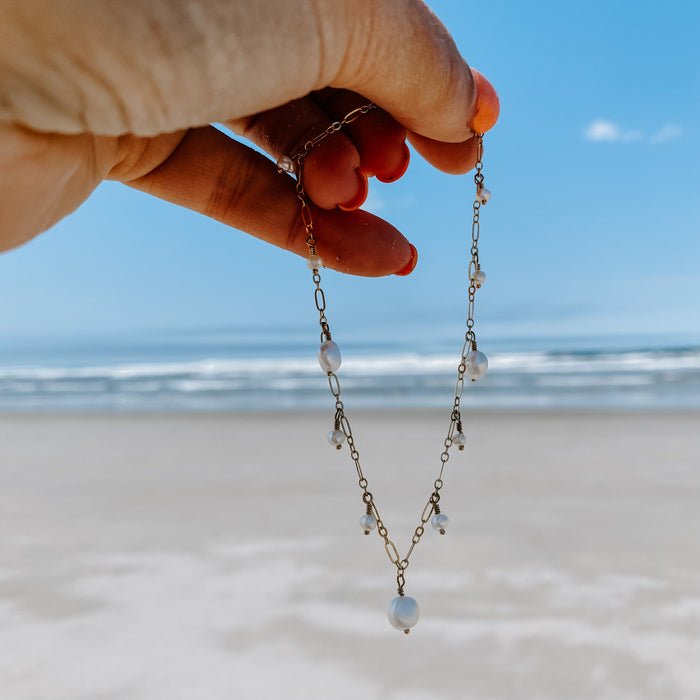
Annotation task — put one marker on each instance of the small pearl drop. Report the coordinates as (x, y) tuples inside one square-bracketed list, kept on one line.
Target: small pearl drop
[(329, 356), (403, 613), (314, 262), (479, 278), (477, 364), (286, 164), (368, 523), (336, 438), (483, 195), (440, 523), (459, 439)]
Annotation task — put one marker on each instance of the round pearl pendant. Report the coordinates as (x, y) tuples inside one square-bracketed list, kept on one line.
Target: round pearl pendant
[(329, 356), (368, 523), (459, 439), (336, 438), (440, 523), (477, 364), (479, 278), (286, 164), (403, 613), (314, 262), (483, 195)]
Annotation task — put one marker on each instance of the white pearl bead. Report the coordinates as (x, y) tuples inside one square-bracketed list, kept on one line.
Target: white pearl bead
[(479, 278), (314, 262), (368, 523), (483, 195), (329, 356), (336, 438), (286, 164), (477, 364), (440, 523), (459, 439), (403, 613)]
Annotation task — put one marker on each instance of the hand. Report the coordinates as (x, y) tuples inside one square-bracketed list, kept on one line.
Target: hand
[(95, 90)]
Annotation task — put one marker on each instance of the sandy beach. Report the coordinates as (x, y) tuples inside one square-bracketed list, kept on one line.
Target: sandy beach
[(219, 556)]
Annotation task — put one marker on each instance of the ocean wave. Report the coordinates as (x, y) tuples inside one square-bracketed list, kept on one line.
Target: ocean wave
[(379, 365), (527, 379)]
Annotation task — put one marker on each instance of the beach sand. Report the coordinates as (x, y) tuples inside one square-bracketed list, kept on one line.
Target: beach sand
[(151, 557)]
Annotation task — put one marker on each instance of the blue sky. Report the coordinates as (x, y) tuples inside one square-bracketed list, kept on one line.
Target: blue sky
[(593, 227)]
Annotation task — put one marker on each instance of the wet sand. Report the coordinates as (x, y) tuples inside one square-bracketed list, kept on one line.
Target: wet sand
[(219, 556)]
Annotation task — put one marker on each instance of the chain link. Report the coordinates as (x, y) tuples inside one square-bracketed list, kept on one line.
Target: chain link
[(299, 157)]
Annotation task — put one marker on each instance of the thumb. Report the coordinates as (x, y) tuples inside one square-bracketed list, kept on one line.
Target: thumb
[(402, 57)]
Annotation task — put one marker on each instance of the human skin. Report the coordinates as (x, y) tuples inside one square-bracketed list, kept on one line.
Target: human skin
[(95, 89)]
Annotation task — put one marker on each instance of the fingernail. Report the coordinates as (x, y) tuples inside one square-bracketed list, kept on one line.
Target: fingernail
[(402, 168), (487, 106), (359, 200), (411, 263)]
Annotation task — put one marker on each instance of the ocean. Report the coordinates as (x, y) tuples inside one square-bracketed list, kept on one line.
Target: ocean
[(261, 370)]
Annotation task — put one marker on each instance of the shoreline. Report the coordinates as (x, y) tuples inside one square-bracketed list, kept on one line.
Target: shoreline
[(311, 412)]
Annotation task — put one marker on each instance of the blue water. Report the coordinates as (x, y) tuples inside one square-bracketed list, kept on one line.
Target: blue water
[(244, 369)]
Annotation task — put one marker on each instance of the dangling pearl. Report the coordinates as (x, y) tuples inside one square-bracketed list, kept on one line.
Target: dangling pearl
[(403, 613), (368, 523), (440, 523), (286, 164), (477, 364), (479, 278), (314, 262), (483, 195), (336, 438), (459, 439), (329, 356)]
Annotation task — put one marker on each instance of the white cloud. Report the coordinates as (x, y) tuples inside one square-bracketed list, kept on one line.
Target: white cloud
[(667, 132), (600, 130), (604, 130)]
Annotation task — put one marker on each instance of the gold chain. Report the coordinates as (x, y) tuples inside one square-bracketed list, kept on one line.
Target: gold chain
[(294, 164)]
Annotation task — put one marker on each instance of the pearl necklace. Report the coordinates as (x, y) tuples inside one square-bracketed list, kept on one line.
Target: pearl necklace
[(403, 610)]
